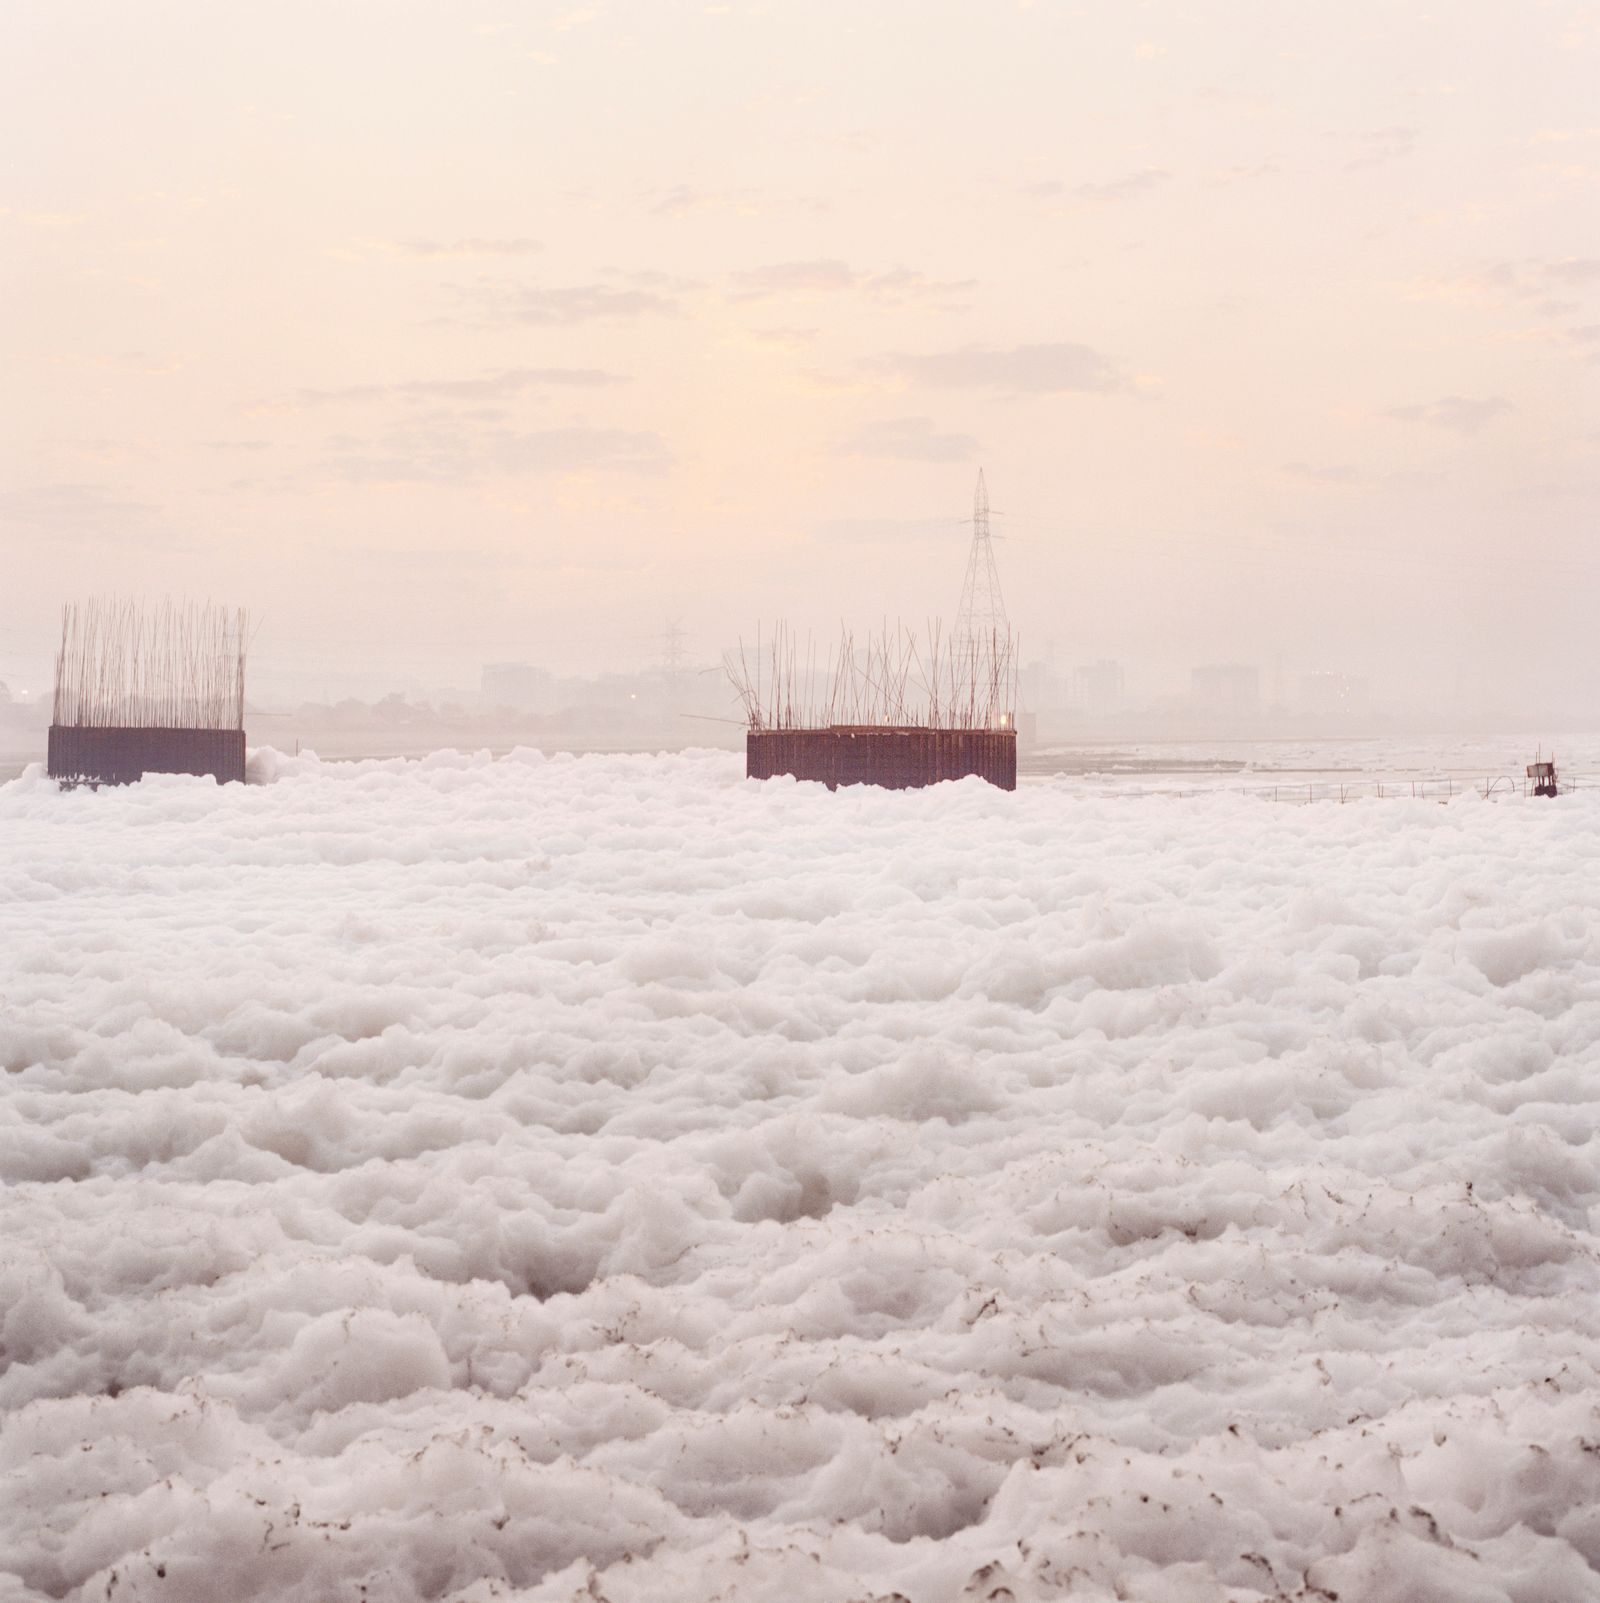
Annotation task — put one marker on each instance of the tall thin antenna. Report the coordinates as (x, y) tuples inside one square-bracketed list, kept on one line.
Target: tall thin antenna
[(982, 613)]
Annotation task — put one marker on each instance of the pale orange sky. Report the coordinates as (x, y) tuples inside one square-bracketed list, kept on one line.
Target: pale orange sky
[(442, 333)]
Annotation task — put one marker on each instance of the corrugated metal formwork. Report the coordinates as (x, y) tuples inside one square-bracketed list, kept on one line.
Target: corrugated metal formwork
[(124, 756), (895, 758)]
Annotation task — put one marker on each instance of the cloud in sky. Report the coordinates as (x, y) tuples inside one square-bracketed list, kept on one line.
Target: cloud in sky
[(793, 278), (831, 276), (77, 505), (1378, 145), (912, 439), (1458, 413), (1330, 473), (569, 449), (1575, 270), (498, 302), (684, 200), (791, 339), (446, 454), (880, 531), (1128, 187), (1549, 288), (468, 247), (905, 284), (1022, 369), (491, 386)]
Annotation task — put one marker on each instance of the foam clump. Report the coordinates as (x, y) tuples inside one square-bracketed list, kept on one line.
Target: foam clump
[(557, 1179)]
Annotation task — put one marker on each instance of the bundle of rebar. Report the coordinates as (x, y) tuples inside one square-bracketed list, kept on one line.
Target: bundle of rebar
[(889, 679), (165, 665)]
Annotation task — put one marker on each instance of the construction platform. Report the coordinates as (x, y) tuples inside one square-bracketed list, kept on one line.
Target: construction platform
[(83, 755), (894, 757)]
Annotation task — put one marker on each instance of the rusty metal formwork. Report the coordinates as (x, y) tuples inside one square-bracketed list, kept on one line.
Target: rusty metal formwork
[(895, 757), (123, 756)]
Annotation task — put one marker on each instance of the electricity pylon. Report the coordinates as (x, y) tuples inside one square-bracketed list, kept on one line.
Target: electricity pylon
[(981, 617)]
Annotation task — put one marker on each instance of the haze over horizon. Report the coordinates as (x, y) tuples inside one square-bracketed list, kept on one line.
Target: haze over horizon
[(447, 334)]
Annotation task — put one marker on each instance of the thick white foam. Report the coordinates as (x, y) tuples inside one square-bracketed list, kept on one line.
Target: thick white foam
[(609, 1177)]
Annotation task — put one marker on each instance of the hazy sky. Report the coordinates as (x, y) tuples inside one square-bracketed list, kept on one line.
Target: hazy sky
[(440, 333)]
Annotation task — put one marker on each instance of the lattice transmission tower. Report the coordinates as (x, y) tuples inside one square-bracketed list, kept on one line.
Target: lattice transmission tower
[(981, 616), (672, 652)]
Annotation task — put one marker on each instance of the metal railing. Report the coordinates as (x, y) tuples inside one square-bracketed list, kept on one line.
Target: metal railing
[(1441, 788)]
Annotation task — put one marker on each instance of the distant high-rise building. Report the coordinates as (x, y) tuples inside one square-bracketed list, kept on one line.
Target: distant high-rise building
[(1228, 687), (1098, 687), (1041, 686)]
